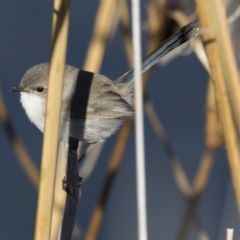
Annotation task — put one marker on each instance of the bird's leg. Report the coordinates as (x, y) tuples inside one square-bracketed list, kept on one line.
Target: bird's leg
[(87, 151), (72, 149)]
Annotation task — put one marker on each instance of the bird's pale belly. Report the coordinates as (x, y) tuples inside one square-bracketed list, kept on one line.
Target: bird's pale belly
[(90, 130)]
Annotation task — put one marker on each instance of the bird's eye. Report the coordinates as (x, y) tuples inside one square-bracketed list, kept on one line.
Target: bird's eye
[(40, 89)]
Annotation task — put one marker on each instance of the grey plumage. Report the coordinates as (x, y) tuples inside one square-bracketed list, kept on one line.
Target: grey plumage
[(92, 102), (93, 106)]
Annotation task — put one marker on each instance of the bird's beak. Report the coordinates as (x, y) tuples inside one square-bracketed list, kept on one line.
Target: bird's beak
[(17, 89)]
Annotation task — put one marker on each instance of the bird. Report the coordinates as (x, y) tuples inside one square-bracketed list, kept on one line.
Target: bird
[(93, 106)]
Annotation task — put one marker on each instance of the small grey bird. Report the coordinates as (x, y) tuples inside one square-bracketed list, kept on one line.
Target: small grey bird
[(93, 106)]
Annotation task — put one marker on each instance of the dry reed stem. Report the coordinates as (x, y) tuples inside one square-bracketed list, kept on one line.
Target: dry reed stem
[(101, 33), (178, 172), (189, 215), (113, 166), (87, 151), (227, 57), (182, 19), (203, 172), (90, 161), (213, 134), (23, 157), (59, 194), (205, 163), (206, 14), (95, 53), (20, 151), (212, 125), (71, 183), (212, 142), (52, 123), (124, 19), (118, 151), (93, 62), (25, 160), (158, 29), (198, 186), (100, 36), (213, 138), (94, 57)]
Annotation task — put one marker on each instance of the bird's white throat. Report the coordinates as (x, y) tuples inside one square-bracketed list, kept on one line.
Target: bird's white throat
[(35, 108)]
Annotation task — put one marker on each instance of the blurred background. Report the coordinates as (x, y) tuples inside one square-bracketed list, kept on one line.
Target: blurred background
[(177, 89)]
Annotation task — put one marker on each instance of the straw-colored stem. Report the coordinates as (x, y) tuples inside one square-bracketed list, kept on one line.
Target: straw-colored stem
[(207, 12), (178, 172), (102, 28), (158, 29), (87, 151), (100, 36), (60, 196), (52, 123), (124, 20), (198, 186), (189, 215), (20, 151), (90, 161), (182, 18), (71, 183), (203, 172), (226, 57), (113, 166), (27, 163), (213, 140), (181, 179), (95, 54), (213, 129), (118, 151)]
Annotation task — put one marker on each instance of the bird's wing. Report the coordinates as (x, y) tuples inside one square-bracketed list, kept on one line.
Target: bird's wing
[(98, 97)]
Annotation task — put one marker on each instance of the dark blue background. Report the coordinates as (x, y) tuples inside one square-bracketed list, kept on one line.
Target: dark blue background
[(178, 91)]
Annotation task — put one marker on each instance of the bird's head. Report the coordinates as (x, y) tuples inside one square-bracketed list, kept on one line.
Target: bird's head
[(34, 81)]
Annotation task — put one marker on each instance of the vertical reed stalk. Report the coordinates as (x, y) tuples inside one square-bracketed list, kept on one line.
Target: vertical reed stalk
[(156, 36), (211, 15), (19, 149), (102, 28), (52, 123)]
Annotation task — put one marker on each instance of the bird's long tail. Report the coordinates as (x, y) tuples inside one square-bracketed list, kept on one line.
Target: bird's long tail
[(177, 39)]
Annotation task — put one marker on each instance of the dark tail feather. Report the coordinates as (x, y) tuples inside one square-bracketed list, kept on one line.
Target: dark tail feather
[(177, 39)]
